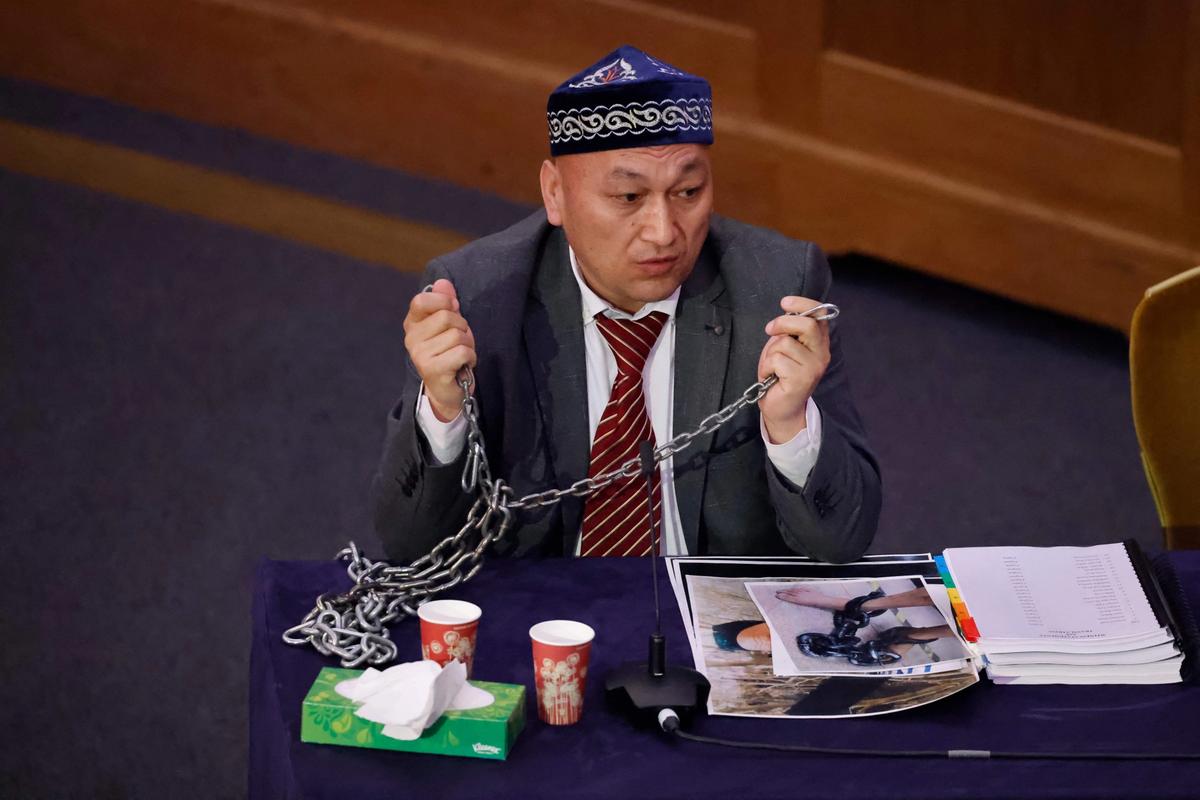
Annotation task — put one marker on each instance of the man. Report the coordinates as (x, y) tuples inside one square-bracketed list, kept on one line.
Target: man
[(626, 311)]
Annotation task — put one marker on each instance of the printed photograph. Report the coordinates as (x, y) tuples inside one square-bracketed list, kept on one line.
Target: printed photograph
[(885, 625), (734, 651)]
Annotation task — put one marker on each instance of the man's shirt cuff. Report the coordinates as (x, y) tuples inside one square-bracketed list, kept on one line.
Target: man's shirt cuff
[(796, 457), (446, 439)]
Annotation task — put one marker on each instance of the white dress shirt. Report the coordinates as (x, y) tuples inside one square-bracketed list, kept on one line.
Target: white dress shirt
[(794, 459)]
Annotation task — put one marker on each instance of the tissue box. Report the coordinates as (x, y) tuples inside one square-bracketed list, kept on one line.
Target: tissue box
[(489, 732)]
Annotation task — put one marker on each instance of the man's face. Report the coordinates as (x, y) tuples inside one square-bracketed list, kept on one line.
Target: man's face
[(636, 218)]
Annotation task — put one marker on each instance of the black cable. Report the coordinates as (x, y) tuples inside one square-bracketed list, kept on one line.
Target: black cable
[(670, 724)]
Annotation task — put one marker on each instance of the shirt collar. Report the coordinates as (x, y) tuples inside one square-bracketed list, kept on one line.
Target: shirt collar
[(594, 304)]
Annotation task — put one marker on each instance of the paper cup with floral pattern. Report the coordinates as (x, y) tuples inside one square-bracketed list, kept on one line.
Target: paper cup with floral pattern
[(448, 631), (561, 649)]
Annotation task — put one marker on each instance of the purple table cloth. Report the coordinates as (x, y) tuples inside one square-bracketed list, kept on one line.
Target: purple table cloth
[(604, 757)]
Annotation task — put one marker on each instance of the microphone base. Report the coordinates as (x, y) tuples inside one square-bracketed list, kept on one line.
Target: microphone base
[(632, 690)]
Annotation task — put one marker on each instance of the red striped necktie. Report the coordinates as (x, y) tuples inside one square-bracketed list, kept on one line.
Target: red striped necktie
[(615, 519)]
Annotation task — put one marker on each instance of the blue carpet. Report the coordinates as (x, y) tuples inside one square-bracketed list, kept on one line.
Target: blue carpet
[(179, 398)]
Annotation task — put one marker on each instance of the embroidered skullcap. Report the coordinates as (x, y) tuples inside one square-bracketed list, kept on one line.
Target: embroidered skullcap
[(629, 99)]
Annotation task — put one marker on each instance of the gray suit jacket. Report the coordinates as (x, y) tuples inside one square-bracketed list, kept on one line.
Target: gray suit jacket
[(517, 292)]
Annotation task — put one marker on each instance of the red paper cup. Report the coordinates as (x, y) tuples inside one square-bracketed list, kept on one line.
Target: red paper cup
[(560, 665), (448, 631)]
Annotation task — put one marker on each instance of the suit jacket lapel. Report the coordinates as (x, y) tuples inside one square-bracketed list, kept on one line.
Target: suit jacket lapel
[(703, 331), (554, 341)]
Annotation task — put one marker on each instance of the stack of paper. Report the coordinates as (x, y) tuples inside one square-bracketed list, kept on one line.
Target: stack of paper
[(1063, 614)]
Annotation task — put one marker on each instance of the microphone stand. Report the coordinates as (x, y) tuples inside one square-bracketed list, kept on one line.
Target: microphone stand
[(647, 692), (658, 642)]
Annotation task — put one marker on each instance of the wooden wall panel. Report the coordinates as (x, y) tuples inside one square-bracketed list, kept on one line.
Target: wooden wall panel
[(1078, 167), (1117, 63), (848, 200), (789, 39), (567, 34), (906, 162), (390, 96), (1190, 102)]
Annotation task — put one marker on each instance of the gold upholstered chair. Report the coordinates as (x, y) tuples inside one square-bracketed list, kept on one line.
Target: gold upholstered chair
[(1164, 366)]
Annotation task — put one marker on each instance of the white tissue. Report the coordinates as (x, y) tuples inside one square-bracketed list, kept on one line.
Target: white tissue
[(408, 698), (373, 680), (470, 697), (446, 687)]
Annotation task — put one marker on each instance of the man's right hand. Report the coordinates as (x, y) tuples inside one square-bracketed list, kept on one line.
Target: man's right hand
[(439, 342)]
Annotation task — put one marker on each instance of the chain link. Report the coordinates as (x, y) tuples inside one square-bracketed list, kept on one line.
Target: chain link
[(353, 625)]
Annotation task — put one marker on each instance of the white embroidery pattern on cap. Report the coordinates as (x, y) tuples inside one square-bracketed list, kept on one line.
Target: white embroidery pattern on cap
[(622, 119), (613, 72)]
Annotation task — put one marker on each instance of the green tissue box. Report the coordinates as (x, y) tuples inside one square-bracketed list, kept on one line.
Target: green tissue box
[(488, 732)]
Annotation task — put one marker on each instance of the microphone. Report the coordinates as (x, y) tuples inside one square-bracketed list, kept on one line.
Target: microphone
[(644, 692)]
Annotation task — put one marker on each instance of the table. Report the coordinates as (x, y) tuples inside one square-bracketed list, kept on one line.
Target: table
[(604, 757)]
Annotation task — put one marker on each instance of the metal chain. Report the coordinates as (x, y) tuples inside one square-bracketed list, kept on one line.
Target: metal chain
[(353, 625), (585, 486)]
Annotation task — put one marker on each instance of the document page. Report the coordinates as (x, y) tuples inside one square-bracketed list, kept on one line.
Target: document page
[(1076, 594)]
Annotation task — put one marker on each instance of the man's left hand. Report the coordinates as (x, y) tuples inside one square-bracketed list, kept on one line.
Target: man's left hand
[(798, 352)]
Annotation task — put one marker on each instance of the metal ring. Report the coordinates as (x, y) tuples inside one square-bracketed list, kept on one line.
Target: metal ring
[(831, 312)]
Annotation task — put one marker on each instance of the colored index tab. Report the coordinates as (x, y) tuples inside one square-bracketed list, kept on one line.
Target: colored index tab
[(944, 571)]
